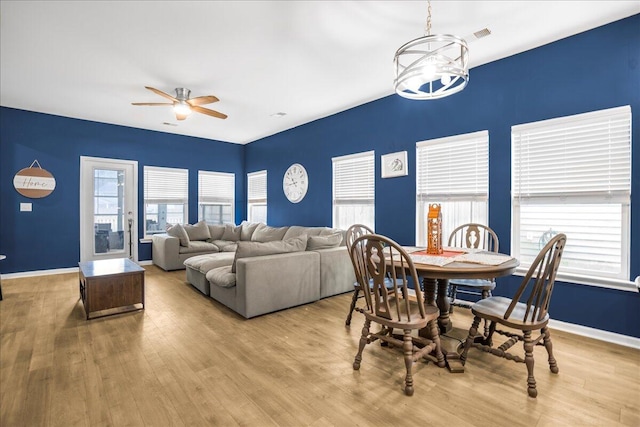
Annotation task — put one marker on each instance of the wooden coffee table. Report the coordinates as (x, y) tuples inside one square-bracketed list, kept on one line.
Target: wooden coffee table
[(111, 286)]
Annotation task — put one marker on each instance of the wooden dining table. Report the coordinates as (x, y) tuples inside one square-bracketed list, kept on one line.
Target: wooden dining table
[(463, 264)]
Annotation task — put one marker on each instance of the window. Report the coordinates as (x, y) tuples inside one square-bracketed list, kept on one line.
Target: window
[(216, 197), (454, 172), (166, 198), (354, 190), (572, 175), (257, 197)]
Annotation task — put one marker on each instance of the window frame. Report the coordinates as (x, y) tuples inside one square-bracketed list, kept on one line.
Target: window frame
[(575, 194), (473, 189), (210, 197), (257, 197), (366, 187), (167, 198)]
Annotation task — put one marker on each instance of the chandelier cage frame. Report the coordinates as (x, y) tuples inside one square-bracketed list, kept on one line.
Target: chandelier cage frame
[(432, 66)]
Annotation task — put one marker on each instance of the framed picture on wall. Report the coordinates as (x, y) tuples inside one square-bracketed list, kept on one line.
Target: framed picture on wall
[(394, 164)]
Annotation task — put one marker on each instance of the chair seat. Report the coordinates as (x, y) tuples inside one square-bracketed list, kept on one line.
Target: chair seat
[(388, 283), (488, 285), (494, 309), (402, 322)]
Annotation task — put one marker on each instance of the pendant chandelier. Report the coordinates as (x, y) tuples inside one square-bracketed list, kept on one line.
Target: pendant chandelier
[(432, 66)]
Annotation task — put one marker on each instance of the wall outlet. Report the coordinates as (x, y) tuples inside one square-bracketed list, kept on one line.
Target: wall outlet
[(25, 207)]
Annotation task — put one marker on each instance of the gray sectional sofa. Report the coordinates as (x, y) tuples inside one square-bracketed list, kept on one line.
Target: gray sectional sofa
[(256, 269)]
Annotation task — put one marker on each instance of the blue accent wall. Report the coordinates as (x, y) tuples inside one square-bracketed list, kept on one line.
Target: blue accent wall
[(48, 237), (590, 71)]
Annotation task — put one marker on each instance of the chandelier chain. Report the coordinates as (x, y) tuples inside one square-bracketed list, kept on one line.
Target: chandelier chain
[(428, 29)]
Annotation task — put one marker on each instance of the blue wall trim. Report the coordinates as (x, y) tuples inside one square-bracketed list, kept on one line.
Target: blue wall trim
[(559, 79)]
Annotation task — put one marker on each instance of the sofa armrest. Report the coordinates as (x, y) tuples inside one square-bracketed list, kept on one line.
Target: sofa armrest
[(274, 282), (165, 252), (336, 271)]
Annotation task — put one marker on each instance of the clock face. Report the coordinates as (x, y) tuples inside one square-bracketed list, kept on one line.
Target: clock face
[(295, 183)]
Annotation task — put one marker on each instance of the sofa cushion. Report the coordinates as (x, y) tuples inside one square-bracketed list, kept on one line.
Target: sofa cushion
[(215, 232), (223, 243), (204, 263), (315, 243), (230, 248), (327, 231), (253, 249), (222, 276), (264, 233), (179, 232), (198, 246), (231, 233), (197, 231), (297, 230), (247, 230)]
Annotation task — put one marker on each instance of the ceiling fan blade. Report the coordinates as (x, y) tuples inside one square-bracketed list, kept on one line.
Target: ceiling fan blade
[(161, 93), (201, 100), (208, 112), (151, 103), (181, 116)]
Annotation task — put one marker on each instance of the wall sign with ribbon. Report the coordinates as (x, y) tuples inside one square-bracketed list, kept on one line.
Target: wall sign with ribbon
[(34, 182)]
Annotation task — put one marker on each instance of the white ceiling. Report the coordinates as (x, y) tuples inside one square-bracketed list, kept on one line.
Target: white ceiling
[(308, 59)]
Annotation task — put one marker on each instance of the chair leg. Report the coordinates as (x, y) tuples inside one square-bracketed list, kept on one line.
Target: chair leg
[(470, 338), (553, 365), (486, 294), (453, 291), (407, 347), (528, 360), (363, 342), (435, 337), (353, 305)]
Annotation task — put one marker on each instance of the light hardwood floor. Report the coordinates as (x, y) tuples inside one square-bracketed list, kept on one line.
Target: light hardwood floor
[(187, 360)]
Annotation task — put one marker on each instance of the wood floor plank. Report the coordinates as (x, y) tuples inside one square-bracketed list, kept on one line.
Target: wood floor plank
[(188, 360)]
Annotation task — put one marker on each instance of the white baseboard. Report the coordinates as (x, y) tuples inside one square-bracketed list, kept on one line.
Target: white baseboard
[(606, 336), (53, 271)]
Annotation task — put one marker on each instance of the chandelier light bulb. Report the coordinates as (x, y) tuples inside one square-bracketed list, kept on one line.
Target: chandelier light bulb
[(445, 79)]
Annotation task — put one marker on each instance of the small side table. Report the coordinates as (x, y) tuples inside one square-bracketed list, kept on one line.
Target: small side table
[(111, 286), (1, 258)]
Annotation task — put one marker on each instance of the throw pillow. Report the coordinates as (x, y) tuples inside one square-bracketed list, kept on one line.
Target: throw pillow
[(197, 231), (179, 232), (252, 249), (247, 230), (264, 233), (324, 242), (231, 233), (216, 232)]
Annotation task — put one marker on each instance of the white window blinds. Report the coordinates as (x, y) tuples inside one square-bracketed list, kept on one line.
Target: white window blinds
[(166, 185), (257, 187), (216, 187), (455, 167), (354, 178), (586, 155), (572, 175)]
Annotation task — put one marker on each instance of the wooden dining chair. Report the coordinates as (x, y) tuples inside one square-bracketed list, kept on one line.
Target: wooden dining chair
[(473, 236), (376, 259), (526, 312), (353, 232)]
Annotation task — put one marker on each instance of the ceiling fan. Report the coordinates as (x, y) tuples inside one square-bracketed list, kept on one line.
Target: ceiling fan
[(183, 105)]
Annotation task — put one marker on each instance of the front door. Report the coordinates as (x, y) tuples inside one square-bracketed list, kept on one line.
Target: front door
[(108, 208)]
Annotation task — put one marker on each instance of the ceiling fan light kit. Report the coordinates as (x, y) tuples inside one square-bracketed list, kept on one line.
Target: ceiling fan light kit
[(432, 66), (183, 106)]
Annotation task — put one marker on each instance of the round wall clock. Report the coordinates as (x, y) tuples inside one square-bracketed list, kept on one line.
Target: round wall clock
[(295, 183)]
